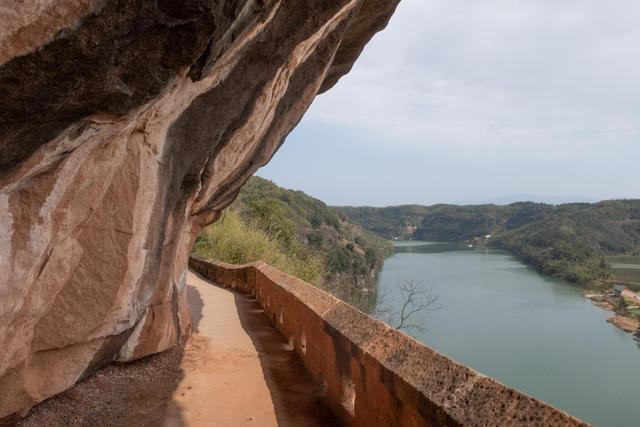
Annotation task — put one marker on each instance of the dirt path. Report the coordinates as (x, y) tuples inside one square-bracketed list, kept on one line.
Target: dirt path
[(235, 370), (238, 370)]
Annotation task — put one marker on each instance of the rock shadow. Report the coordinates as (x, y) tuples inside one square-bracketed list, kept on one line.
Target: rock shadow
[(196, 303), (132, 394), (298, 400)]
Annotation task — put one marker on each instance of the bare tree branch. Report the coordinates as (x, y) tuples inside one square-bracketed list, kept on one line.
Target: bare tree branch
[(415, 299)]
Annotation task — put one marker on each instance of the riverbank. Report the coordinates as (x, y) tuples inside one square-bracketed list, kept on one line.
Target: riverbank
[(627, 324), (622, 319), (600, 290)]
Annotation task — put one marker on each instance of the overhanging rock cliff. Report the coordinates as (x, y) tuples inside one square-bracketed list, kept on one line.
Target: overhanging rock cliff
[(125, 127)]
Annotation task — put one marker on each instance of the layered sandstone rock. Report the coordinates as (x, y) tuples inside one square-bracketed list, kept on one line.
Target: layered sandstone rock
[(125, 127)]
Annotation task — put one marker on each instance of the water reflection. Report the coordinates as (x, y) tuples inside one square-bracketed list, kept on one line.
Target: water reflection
[(429, 247)]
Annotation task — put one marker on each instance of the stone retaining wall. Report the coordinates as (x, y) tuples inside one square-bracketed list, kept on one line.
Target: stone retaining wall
[(374, 374)]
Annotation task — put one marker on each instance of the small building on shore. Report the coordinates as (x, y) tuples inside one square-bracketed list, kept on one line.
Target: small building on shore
[(617, 289)]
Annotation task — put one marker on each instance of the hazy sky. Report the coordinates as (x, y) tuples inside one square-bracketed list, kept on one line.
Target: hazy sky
[(460, 101)]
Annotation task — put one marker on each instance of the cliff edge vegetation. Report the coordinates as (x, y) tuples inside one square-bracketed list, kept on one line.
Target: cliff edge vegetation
[(296, 234)]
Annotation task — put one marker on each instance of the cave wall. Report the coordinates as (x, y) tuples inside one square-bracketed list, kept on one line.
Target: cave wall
[(126, 126)]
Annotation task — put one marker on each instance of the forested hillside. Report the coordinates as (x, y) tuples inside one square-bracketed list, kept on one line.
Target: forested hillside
[(297, 234), (389, 222), (569, 241)]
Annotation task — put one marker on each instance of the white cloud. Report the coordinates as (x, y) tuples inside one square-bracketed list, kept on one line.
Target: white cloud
[(496, 72)]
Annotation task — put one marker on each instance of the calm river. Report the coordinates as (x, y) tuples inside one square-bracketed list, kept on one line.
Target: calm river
[(531, 332)]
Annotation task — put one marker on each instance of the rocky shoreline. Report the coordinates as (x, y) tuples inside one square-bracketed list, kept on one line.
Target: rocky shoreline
[(627, 324), (621, 321)]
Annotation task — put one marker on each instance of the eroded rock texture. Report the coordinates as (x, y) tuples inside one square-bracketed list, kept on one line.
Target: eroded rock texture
[(125, 127)]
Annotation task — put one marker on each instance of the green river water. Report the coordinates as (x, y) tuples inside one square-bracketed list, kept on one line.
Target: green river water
[(534, 333)]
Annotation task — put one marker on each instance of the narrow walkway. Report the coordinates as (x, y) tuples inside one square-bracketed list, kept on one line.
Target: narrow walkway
[(238, 370)]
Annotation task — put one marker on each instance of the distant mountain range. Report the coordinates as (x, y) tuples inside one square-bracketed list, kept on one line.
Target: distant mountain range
[(524, 197), (568, 240)]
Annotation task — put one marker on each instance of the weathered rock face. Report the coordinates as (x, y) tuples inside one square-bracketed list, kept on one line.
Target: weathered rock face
[(125, 127)]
